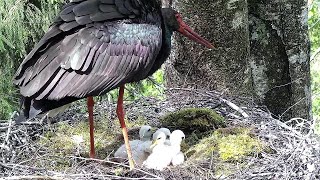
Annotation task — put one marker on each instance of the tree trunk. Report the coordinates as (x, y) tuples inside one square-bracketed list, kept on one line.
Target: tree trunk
[(224, 68), (262, 50)]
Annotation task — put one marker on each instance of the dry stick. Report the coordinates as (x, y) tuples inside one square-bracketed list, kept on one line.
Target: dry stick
[(299, 101), (4, 128), (32, 177), (6, 140), (314, 55), (283, 125), (235, 107), (101, 176), (119, 164), (57, 175)]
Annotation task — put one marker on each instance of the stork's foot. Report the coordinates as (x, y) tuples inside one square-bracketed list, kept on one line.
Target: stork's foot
[(120, 113)]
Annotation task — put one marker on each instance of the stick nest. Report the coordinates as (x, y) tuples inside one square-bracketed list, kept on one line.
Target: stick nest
[(293, 149)]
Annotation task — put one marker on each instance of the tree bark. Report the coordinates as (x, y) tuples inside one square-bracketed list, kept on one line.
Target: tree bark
[(262, 51), (224, 68), (280, 54)]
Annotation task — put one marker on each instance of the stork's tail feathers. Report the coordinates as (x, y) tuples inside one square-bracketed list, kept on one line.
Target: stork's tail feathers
[(21, 118), (28, 111), (32, 107), (25, 115)]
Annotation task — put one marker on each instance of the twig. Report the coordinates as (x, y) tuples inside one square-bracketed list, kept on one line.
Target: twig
[(13, 166), (32, 177), (6, 140), (235, 107), (4, 128), (283, 125), (315, 53), (92, 175), (289, 108), (31, 123), (111, 162)]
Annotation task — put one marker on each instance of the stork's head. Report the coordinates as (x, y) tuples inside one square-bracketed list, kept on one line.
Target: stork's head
[(174, 22)]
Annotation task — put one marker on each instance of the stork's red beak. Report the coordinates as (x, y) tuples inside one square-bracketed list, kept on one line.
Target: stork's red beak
[(188, 32)]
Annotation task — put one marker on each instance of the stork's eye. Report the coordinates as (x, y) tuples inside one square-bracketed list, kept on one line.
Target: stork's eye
[(178, 17)]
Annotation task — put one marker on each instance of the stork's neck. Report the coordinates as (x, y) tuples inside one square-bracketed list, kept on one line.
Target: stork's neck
[(165, 48), (167, 34)]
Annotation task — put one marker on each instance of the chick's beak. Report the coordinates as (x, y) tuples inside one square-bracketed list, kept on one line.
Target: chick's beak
[(154, 143)]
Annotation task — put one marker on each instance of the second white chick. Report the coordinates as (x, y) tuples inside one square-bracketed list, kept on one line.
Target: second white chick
[(160, 157), (175, 139), (138, 147), (167, 132)]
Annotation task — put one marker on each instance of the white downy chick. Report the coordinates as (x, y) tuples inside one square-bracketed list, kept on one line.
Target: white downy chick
[(160, 157), (167, 132), (175, 139), (138, 147)]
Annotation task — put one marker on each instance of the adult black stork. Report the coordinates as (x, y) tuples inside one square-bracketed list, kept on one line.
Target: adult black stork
[(95, 46)]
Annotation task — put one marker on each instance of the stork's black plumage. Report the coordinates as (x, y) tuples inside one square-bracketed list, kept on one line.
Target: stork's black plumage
[(94, 46)]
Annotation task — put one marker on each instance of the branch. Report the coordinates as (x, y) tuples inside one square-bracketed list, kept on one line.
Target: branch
[(235, 107), (115, 163), (315, 54), (32, 177), (6, 140)]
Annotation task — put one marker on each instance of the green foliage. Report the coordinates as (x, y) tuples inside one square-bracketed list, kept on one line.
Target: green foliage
[(314, 25), (314, 32), (22, 25), (315, 74), (152, 87)]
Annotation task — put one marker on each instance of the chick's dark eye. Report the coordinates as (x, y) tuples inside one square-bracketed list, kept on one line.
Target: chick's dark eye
[(168, 136), (149, 130), (159, 138)]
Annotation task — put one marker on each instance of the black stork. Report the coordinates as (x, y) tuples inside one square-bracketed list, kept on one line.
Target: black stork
[(94, 46)]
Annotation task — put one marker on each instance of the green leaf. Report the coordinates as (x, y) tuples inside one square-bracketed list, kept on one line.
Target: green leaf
[(2, 38)]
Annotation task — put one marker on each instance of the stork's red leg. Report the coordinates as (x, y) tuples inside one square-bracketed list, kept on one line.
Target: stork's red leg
[(120, 113), (90, 104)]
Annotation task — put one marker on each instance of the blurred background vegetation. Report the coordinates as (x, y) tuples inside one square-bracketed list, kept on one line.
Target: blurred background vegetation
[(23, 22), (314, 33)]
